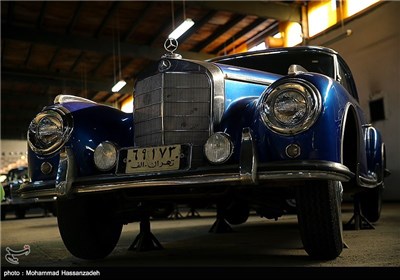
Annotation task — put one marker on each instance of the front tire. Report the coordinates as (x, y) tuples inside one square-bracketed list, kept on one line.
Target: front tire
[(87, 227), (20, 212), (237, 213), (319, 216)]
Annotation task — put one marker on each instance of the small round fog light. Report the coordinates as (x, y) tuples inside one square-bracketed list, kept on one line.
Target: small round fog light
[(46, 168), (293, 150), (105, 156), (218, 148)]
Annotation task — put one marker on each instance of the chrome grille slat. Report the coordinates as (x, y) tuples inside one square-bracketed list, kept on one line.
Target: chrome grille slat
[(174, 108)]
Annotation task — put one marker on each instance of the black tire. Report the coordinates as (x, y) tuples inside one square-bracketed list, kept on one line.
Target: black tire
[(371, 203), (319, 216), (20, 212), (163, 211), (87, 227), (3, 214), (237, 213), (52, 206)]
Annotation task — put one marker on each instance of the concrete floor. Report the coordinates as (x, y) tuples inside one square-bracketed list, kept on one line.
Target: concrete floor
[(259, 243)]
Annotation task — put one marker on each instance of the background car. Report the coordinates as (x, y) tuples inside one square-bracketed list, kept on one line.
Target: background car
[(12, 201), (248, 131)]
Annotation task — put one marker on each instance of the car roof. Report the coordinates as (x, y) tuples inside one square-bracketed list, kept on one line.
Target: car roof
[(276, 50)]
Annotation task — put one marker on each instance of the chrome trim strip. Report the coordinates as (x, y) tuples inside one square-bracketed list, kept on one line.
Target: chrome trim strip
[(41, 195), (240, 78), (212, 179), (217, 91), (64, 98), (342, 129), (65, 172), (248, 159), (365, 182), (223, 178)]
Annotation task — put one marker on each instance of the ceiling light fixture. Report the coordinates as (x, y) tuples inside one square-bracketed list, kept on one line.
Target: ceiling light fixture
[(118, 86), (181, 29), (121, 83)]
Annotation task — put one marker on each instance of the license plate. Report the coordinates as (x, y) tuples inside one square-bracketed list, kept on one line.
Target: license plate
[(154, 159)]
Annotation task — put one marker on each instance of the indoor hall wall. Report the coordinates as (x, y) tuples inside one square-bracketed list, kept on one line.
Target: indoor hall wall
[(373, 54)]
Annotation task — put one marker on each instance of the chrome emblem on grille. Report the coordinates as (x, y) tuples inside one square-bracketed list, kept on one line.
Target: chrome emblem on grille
[(171, 45), (164, 65)]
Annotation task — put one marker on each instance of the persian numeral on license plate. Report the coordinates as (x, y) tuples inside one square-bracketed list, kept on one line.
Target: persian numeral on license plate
[(153, 159)]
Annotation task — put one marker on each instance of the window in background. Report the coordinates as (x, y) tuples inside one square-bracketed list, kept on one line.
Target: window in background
[(354, 6), (127, 105), (321, 15)]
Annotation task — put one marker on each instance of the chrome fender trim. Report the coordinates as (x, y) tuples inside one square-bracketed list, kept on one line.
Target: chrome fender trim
[(248, 159)]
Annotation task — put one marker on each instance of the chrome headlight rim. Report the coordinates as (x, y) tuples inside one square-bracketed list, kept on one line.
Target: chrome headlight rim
[(115, 156), (56, 112), (309, 93), (231, 147)]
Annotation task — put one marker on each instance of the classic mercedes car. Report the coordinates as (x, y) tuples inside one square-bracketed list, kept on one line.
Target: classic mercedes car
[(247, 131), (12, 201)]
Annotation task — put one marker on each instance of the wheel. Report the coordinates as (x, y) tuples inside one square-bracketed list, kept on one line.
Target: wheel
[(371, 203), (319, 217), (3, 214), (87, 227), (163, 211), (237, 213), (51, 207), (20, 212)]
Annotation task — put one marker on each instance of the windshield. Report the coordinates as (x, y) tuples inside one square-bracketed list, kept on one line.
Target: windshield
[(279, 62)]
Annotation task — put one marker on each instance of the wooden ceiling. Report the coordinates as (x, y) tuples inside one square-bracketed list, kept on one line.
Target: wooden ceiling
[(82, 47)]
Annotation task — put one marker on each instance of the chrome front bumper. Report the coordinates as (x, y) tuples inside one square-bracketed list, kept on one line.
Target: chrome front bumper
[(248, 172)]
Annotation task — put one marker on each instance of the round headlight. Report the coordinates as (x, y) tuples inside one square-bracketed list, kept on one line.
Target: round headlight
[(218, 148), (105, 156), (290, 107), (49, 131)]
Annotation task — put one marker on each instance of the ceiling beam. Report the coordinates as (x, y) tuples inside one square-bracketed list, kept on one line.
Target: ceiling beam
[(110, 13), (263, 9), (103, 45), (143, 15), (75, 17), (238, 35), (219, 32), (197, 25), (60, 80), (41, 15), (269, 31)]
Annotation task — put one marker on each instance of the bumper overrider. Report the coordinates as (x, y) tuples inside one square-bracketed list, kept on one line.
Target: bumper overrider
[(248, 172)]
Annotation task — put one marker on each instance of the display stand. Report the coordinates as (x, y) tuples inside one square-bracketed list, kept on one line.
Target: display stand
[(145, 240), (175, 214), (220, 225), (193, 213), (360, 222)]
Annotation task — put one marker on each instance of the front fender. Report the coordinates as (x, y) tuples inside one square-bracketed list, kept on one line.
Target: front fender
[(374, 151), (91, 127), (322, 141), (92, 124)]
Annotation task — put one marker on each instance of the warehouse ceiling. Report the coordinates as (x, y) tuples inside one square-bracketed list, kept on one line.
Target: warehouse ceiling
[(83, 47)]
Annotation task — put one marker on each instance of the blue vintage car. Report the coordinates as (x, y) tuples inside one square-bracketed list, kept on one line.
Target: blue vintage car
[(247, 131)]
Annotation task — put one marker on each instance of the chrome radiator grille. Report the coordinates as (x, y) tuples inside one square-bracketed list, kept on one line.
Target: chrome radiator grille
[(173, 108)]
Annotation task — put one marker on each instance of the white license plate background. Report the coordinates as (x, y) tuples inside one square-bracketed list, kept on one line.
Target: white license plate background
[(153, 159)]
